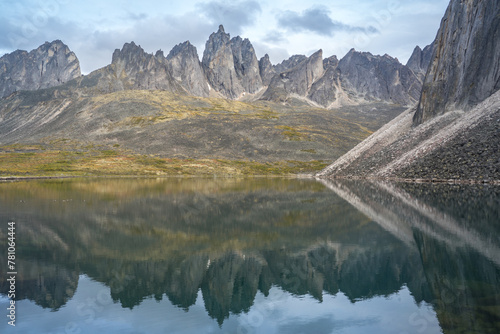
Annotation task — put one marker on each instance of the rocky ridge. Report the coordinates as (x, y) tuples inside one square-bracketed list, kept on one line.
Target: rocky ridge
[(379, 77), (297, 80), (230, 69)]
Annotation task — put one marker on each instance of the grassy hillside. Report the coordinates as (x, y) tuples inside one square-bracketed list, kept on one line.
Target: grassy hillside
[(62, 131)]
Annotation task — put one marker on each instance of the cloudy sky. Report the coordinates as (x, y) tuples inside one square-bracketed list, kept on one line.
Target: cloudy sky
[(281, 28)]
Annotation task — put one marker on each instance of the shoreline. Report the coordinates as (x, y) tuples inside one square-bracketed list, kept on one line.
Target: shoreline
[(297, 176), (124, 176), (407, 180)]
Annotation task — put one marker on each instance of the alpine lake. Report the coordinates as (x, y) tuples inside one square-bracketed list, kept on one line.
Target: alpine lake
[(249, 255)]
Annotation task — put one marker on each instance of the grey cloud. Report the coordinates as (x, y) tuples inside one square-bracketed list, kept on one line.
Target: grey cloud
[(28, 35), (7, 36), (136, 16), (275, 37), (233, 15), (317, 20)]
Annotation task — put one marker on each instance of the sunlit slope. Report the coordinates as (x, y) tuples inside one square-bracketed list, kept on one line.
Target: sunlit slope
[(169, 125)]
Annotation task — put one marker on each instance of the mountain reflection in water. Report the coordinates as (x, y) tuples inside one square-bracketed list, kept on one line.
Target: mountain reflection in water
[(228, 243)]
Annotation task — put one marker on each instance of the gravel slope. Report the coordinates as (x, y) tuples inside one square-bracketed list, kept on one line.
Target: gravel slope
[(454, 146)]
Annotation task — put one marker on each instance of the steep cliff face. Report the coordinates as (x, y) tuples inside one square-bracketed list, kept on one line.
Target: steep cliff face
[(185, 66), (369, 77), (465, 66), (49, 65), (246, 64)]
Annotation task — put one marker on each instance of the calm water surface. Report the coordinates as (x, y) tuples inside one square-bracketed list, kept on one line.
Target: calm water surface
[(250, 256)]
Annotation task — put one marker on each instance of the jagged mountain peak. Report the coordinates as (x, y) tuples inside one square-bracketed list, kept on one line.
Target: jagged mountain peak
[(54, 43), (217, 41), (420, 59), (220, 33), (266, 70), (331, 61), (368, 56), (289, 63), (130, 47), (371, 77), (51, 64), (317, 54), (185, 47), (297, 79), (160, 54), (185, 66), (231, 65)]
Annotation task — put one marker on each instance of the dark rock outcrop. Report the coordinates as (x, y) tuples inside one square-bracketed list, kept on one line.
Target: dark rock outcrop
[(327, 91), (359, 77), (465, 67), (368, 77), (140, 70), (266, 70), (185, 67), (133, 68), (420, 60), (297, 80), (49, 65)]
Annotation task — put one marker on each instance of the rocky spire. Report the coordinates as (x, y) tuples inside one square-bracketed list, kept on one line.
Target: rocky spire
[(218, 64), (266, 70), (185, 66), (246, 64)]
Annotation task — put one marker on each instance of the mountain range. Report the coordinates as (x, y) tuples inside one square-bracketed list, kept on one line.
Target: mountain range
[(228, 69)]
